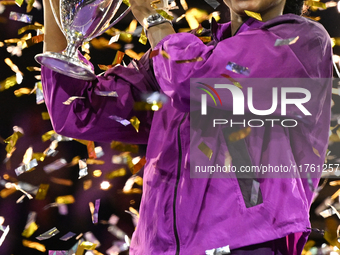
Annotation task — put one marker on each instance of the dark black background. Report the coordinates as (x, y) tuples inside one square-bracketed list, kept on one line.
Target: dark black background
[(24, 112)]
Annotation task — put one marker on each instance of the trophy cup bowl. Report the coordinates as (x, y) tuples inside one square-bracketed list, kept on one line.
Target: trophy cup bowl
[(80, 21)]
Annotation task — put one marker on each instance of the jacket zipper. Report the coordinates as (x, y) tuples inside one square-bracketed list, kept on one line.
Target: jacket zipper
[(177, 181)]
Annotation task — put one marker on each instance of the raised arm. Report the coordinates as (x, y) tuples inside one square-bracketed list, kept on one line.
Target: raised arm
[(54, 39)]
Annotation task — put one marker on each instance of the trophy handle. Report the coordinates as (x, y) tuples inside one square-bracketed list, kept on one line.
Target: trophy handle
[(112, 24)]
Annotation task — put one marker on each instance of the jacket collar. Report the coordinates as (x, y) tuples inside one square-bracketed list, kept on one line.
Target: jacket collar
[(223, 31)]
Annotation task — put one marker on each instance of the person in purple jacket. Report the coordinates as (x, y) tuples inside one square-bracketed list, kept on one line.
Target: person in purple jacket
[(181, 214)]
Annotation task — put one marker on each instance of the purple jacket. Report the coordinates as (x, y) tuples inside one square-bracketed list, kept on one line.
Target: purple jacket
[(184, 215)]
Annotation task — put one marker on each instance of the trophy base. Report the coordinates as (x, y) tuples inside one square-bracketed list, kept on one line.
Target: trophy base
[(65, 65)]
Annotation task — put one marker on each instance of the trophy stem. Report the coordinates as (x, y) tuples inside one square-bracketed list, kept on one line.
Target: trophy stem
[(71, 51)]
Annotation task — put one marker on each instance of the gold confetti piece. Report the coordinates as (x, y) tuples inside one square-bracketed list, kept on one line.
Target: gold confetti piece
[(22, 91), (215, 15), (132, 54), (116, 173), (132, 191), (165, 14), (68, 199), (32, 227), (8, 82), (45, 116), (144, 106), (38, 156), (14, 67), (118, 58), (91, 150), (14, 40), (28, 155), (135, 123), (143, 39), (316, 152), (334, 183), (119, 146), (157, 52), (139, 180), (12, 140), (132, 26), (29, 6), (71, 99), (87, 56), (126, 2), (236, 83), (104, 67), (238, 135), (7, 2), (30, 27), (97, 173), (19, 2), (254, 15), (180, 18), (184, 5), (48, 135), (34, 40), (60, 181), (315, 4), (34, 245), (88, 245), (42, 191), (91, 161), (205, 39), (87, 184), (137, 167), (94, 209), (206, 150), (189, 60), (7, 191)]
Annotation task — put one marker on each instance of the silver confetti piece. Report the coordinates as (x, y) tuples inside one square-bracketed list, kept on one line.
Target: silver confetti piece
[(254, 192), (89, 236), (24, 168), (280, 42), (50, 252), (4, 234), (213, 3), (48, 234), (96, 211), (219, 251), (39, 96), (117, 232), (21, 17), (30, 218), (231, 66), (56, 165), (106, 93), (67, 236), (82, 168), (120, 120)]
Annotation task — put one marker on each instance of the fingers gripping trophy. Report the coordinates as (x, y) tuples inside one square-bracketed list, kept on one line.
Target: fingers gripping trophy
[(80, 21)]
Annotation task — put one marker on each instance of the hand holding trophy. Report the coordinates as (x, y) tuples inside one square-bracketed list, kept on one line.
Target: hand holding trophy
[(80, 21)]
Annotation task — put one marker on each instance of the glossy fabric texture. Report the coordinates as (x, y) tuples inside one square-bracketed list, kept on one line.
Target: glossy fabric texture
[(209, 213)]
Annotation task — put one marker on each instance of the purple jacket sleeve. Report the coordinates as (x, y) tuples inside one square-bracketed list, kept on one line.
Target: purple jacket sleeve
[(253, 49), (92, 118)]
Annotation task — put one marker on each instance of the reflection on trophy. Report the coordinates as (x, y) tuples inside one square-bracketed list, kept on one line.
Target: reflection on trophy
[(80, 21)]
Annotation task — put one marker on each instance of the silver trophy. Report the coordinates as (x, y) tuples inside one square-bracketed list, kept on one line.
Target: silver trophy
[(80, 21)]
